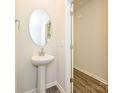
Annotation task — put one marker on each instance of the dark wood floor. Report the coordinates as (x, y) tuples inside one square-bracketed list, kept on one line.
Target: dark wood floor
[(53, 89), (86, 84)]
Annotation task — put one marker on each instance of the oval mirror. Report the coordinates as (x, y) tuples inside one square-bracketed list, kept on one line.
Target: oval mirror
[(39, 27)]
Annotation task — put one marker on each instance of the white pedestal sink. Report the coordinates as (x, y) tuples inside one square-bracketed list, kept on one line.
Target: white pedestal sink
[(41, 62)]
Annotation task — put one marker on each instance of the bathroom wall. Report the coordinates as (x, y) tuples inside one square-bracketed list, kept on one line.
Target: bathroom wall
[(26, 73), (90, 38)]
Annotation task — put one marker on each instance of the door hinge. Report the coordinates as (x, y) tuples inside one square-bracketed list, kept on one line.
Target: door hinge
[(71, 46), (71, 80), (72, 13)]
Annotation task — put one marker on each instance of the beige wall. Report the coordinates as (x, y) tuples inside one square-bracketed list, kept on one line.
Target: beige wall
[(25, 72), (90, 38)]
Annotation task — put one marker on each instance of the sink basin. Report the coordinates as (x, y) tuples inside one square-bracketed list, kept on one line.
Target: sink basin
[(42, 60)]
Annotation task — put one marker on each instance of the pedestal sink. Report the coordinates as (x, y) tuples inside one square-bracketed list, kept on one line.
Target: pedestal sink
[(41, 62)]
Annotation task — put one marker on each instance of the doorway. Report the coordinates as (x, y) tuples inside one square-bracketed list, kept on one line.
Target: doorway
[(87, 48)]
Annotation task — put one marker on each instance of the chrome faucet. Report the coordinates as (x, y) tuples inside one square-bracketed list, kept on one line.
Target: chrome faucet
[(41, 52)]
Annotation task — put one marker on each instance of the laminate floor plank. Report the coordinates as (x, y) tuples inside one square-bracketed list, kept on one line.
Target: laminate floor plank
[(53, 89), (86, 84)]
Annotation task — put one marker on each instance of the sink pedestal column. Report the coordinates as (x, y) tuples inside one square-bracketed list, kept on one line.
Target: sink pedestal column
[(41, 79)]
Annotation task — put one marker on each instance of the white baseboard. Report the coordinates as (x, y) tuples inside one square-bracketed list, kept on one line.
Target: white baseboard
[(60, 88), (32, 91), (47, 86), (92, 75), (51, 84)]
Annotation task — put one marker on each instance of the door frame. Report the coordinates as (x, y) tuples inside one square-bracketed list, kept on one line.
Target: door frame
[(68, 46)]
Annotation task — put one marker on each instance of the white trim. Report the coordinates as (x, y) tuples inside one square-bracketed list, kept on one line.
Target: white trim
[(67, 47), (35, 90), (60, 88), (51, 84), (92, 75)]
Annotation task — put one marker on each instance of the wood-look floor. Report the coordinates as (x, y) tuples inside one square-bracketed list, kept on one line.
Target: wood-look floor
[(86, 84), (83, 84), (53, 89)]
